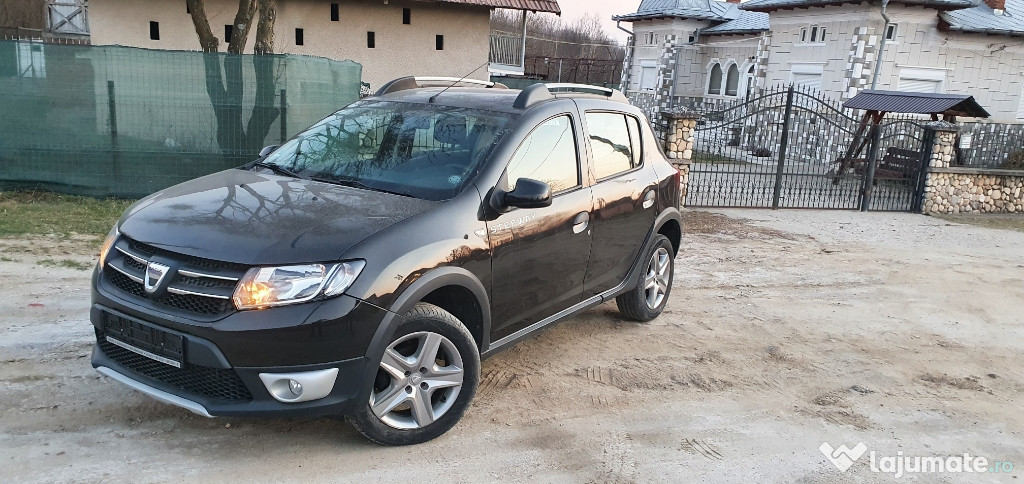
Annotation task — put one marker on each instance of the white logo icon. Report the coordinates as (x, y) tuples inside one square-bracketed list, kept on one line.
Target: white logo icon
[(843, 457), (155, 273)]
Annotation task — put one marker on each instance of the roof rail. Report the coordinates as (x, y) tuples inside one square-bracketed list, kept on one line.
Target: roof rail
[(542, 92), (411, 82)]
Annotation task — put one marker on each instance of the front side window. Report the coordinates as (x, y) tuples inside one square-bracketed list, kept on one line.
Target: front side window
[(417, 150), (611, 144), (549, 155)]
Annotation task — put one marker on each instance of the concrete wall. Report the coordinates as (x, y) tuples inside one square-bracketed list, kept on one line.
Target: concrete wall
[(400, 49), (991, 68)]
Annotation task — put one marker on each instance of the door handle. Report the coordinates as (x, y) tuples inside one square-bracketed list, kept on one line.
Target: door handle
[(581, 222), (649, 199)]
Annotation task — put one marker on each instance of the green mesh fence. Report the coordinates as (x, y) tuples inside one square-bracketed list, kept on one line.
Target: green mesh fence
[(125, 122)]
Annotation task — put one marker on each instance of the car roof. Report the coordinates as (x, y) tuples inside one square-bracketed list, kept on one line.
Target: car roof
[(461, 97), (493, 97)]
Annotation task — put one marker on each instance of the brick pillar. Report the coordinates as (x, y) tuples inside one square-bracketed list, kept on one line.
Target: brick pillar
[(935, 184), (678, 143)]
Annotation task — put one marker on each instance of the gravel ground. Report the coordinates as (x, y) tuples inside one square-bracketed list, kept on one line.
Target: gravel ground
[(785, 329)]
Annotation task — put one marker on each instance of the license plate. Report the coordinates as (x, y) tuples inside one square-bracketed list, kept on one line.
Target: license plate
[(144, 339)]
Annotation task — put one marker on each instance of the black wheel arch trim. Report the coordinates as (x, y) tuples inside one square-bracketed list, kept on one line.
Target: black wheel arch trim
[(427, 283), (669, 213)]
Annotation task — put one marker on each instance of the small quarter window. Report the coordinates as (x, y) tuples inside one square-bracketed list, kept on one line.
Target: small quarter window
[(549, 155)]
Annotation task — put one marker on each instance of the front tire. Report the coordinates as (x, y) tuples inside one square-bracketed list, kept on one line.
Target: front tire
[(425, 380), (646, 301)]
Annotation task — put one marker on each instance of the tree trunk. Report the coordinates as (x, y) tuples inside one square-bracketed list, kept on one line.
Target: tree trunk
[(225, 83), (240, 29), (265, 28), (207, 41)]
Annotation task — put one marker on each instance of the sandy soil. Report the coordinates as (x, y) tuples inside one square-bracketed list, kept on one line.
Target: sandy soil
[(785, 329)]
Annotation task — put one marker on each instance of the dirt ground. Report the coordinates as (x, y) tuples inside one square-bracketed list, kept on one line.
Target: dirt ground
[(785, 329)]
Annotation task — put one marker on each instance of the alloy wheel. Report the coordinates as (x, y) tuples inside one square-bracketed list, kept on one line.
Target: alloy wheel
[(657, 279), (420, 377)]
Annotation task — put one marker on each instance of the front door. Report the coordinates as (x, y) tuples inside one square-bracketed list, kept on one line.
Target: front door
[(540, 256)]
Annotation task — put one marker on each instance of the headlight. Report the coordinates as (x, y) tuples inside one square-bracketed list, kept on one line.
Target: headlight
[(108, 244), (264, 287)]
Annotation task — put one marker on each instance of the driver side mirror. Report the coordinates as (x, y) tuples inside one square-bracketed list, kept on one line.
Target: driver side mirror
[(529, 193), (267, 150)]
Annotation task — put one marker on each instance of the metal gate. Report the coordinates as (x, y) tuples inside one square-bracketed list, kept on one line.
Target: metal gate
[(784, 148)]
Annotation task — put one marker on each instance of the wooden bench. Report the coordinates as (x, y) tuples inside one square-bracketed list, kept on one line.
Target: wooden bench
[(897, 164)]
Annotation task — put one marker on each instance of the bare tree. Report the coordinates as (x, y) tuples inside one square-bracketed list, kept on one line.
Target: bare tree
[(224, 79)]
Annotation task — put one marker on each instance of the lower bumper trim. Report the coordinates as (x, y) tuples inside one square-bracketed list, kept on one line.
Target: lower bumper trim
[(155, 393)]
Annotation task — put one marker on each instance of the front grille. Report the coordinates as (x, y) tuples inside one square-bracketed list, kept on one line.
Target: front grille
[(198, 286), (222, 384)]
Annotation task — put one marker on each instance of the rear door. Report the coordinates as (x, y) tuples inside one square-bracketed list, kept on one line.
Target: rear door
[(624, 190)]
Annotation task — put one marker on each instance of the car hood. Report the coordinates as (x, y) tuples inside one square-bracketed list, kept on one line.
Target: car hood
[(255, 219)]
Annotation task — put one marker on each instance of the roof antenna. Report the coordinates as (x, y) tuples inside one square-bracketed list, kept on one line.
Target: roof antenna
[(432, 98)]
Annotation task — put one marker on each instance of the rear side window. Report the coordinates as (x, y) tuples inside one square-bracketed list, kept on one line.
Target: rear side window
[(610, 141), (549, 155)]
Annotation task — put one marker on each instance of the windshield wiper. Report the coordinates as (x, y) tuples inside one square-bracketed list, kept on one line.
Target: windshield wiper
[(276, 168), (354, 182)]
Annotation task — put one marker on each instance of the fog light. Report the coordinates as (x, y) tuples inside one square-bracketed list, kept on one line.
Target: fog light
[(301, 386)]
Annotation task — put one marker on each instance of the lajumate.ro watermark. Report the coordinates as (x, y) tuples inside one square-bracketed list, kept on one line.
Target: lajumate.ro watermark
[(898, 465)]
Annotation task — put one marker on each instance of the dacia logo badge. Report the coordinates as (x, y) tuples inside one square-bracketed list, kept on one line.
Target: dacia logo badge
[(155, 273)]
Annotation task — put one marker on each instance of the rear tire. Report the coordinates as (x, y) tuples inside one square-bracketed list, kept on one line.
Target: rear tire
[(646, 301), (425, 380)]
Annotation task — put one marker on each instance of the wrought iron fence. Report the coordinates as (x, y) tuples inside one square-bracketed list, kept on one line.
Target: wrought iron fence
[(790, 148), (991, 145)]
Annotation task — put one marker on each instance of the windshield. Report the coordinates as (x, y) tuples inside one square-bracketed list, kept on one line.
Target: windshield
[(419, 150)]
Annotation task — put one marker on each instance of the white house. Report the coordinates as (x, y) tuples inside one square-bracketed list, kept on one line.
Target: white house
[(390, 38), (949, 46), (715, 47)]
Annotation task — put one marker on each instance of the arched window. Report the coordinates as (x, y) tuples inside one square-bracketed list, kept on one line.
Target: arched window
[(732, 81), (715, 81)]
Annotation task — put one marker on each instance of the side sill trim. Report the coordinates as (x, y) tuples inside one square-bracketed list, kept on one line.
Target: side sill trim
[(513, 338), (590, 302), (155, 393)]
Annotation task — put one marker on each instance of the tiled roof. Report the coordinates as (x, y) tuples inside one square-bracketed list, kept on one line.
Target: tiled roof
[(531, 5), (698, 9), (747, 23), (770, 5), (983, 19)]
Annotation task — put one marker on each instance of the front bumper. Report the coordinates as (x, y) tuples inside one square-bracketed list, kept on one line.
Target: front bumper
[(221, 361)]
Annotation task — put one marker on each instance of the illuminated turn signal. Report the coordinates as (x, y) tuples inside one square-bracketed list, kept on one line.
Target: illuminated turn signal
[(254, 295)]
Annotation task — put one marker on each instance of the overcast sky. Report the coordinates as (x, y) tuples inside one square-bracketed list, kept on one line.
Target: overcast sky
[(574, 9)]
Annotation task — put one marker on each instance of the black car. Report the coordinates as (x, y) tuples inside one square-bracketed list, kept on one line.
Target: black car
[(367, 265)]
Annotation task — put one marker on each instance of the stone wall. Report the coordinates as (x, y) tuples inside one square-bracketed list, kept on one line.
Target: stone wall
[(968, 190), (964, 189)]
